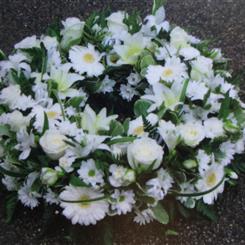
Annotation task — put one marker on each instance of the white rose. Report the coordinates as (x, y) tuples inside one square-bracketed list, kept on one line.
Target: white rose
[(143, 152), (213, 128), (53, 144), (115, 22), (73, 29), (49, 176), (202, 67), (179, 38), (192, 133)]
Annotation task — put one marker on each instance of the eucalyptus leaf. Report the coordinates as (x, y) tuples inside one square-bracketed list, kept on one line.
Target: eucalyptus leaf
[(160, 214)]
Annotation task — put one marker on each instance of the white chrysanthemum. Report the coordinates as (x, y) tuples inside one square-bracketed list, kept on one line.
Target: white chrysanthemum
[(107, 85), (127, 92), (53, 113), (11, 183), (86, 60), (15, 120), (51, 197), (85, 213), (121, 176), (196, 90), (173, 70), (133, 79), (65, 162), (90, 174), (213, 128), (192, 133), (203, 160), (136, 127), (28, 197), (11, 96), (159, 186), (228, 151), (169, 133), (209, 179), (94, 123), (144, 217), (144, 152), (122, 201)]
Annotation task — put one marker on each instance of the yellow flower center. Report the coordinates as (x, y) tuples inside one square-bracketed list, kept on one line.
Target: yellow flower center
[(167, 72), (139, 130), (84, 204), (211, 179), (52, 114), (193, 133), (88, 58)]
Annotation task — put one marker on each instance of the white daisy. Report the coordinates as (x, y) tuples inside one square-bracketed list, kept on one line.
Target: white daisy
[(107, 85), (86, 60), (90, 174), (28, 197), (173, 70), (136, 127), (209, 179), (122, 201), (120, 176), (83, 213)]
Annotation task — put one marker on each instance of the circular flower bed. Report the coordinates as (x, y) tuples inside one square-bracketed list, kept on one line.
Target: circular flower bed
[(116, 115)]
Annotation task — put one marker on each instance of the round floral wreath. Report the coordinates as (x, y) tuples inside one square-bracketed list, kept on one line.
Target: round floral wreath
[(114, 115)]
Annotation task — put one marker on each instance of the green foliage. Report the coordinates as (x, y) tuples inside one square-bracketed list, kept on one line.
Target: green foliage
[(133, 21), (76, 181), (225, 107), (140, 107), (206, 210), (170, 232), (157, 4), (2, 55), (183, 91), (107, 234), (45, 123), (160, 214), (11, 201), (54, 31), (116, 128), (4, 130)]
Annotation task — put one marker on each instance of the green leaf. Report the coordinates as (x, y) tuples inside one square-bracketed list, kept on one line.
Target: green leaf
[(4, 130), (116, 128), (146, 61), (184, 89), (206, 210), (121, 140), (2, 55), (170, 232), (140, 107), (10, 206), (45, 123), (225, 107), (76, 101), (157, 4), (75, 181), (11, 173), (108, 235), (160, 214)]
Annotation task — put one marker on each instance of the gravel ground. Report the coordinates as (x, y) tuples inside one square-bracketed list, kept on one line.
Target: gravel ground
[(220, 20)]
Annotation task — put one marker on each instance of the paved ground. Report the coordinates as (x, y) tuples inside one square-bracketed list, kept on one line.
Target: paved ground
[(221, 20)]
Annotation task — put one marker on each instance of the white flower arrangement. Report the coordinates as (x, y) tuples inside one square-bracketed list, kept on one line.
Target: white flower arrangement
[(116, 114)]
